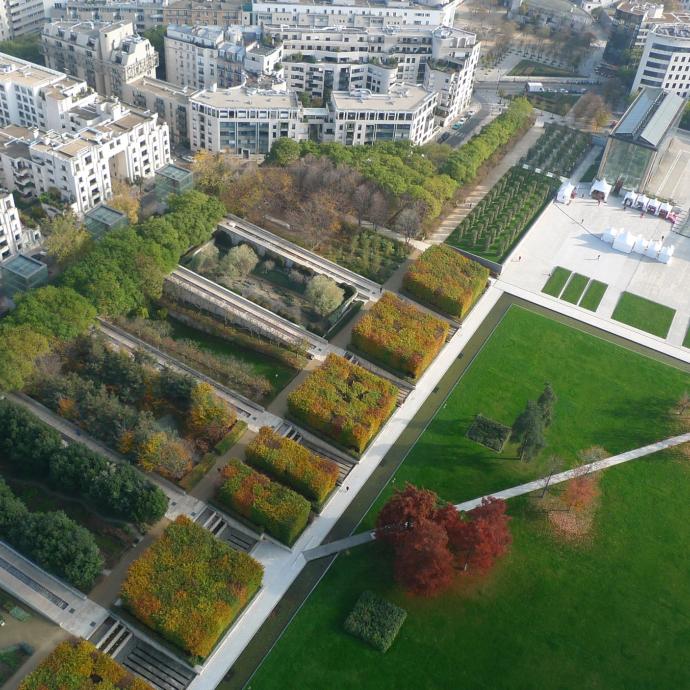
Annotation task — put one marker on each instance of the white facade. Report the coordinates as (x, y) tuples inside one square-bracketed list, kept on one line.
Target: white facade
[(106, 55), (19, 17), (143, 14), (14, 238), (58, 134), (665, 61)]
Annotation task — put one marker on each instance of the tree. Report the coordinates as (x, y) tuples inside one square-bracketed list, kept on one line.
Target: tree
[(209, 417), (166, 454), (283, 152), (126, 199), (683, 403), (239, 261), (156, 36), (546, 402), (66, 239), (581, 491), (20, 347), (403, 510), (407, 224), (528, 431), (361, 200), (324, 294)]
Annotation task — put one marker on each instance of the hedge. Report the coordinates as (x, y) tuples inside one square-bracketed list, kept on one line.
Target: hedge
[(291, 463), (281, 511), (78, 665), (447, 280), (189, 586), (399, 335), (489, 433), (343, 401), (375, 620)]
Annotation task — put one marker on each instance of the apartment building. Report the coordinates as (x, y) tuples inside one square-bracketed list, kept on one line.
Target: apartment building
[(58, 134), (143, 14), (19, 17), (106, 55), (206, 13), (14, 238), (665, 61)]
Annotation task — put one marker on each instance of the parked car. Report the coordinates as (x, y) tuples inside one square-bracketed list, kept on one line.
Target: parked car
[(443, 137)]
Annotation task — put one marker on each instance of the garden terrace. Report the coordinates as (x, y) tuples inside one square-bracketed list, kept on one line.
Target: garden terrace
[(344, 402), (289, 462), (218, 582), (559, 150), (399, 336), (500, 219), (78, 665), (268, 504), (446, 280)]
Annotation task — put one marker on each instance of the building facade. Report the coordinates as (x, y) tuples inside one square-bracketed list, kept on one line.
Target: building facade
[(665, 61), (18, 18), (205, 13), (143, 14), (14, 238), (106, 55)]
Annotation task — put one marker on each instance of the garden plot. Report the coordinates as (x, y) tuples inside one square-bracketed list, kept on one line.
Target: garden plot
[(559, 150), (575, 288)]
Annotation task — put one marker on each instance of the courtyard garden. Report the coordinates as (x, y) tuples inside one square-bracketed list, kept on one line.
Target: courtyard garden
[(500, 219), (532, 68), (588, 626), (551, 102), (446, 280), (644, 314), (559, 150)]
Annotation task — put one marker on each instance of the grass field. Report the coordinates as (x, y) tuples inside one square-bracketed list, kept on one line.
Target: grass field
[(593, 295), (574, 289), (559, 103), (644, 314), (686, 340), (608, 614), (556, 282), (532, 68)]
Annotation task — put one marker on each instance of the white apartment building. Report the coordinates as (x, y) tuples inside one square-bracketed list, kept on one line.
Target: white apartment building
[(106, 55), (58, 134), (143, 14), (19, 17), (354, 13), (665, 61), (14, 238)]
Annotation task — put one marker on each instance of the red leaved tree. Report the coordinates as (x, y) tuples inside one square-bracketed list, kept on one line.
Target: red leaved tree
[(403, 511), (487, 536), (581, 492)]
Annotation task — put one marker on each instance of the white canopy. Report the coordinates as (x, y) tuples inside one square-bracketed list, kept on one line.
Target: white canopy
[(653, 249), (565, 192), (666, 253), (653, 206), (601, 186), (630, 198), (609, 235), (642, 202), (665, 208), (640, 246), (625, 242)]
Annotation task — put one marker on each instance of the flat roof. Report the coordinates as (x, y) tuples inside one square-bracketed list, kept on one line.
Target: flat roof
[(174, 172), (400, 97), (105, 214), (242, 97), (22, 265)]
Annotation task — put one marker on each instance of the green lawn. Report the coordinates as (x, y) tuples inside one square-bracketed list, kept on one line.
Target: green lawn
[(556, 282), (593, 295), (686, 340), (559, 103), (609, 615), (574, 289), (644, 314), (532, 68)]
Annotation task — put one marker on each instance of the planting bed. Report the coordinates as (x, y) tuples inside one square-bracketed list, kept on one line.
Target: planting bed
[(644, 314), (556, 282), (559, 150)]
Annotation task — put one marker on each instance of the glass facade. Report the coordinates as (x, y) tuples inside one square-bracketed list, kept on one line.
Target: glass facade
[(627, 162)]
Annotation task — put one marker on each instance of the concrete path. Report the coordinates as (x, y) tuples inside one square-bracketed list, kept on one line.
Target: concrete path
[(340, 545)]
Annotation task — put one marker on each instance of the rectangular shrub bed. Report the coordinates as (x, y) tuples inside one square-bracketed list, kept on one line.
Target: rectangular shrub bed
[(291, 463), (556, 282), (344, 402), (400, 336), (190, 587), (489, 433), (593, 295), (574, 289), (282, 512), (644, 314), (446, 280), (375, 620), (78, 665)]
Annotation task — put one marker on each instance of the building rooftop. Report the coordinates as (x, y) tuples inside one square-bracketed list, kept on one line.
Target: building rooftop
[(675, 30), (650, 117), (243, 97), (561, 8), (22, 265), (106, 215), (400, 97), (164, 89), (174, 172)]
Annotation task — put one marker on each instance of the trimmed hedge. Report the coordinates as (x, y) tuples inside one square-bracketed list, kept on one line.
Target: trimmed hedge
[(281, 511), (447, 280), (189, 586), (489, 433), (291, 463), (399, 335), (78, 665), (375, 620), (343, 401)]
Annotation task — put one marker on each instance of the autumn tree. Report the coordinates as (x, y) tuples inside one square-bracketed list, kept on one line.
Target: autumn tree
[(66, 239), (126, 199), (408, 224), (581, 491), (405, 509), (209, 417), (489, 535), (683, 404)]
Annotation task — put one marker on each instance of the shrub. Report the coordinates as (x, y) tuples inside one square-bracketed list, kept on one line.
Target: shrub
[(399, 335), (189, 586), (324, 295), (239, 261), (78, 665), (375, 620), (343, 401), (445, 279), (209, 417), (489, 433), (290, 462), (281, 511)]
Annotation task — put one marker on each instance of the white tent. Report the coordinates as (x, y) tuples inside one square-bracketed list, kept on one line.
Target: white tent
[(642, 202), (600, 188), (665, 209), (640, 246), (565, 193), (625, 242), (609, 235), (666, 253), (653, 206), (653, 249), (630, 198)]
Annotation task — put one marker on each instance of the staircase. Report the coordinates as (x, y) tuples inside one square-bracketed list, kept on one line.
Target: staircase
[(219, 527)]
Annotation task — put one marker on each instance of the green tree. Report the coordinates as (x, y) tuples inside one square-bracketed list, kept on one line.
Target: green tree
[(20, 347), (239, 261), (66, 239), (528, 431), (546, 402), (323, 294), (156, 36), (284, 152)]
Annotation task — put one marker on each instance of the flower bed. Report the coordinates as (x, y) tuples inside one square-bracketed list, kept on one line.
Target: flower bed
[(281, 511), (343, 401), (189, 586), (446, 280), (400, 336), (489, 433), (78, 665), (290, 462), (375, 620)]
